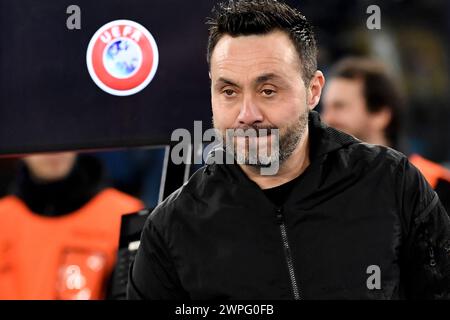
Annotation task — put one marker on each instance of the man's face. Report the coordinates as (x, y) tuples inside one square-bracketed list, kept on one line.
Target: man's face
[(50, 167), (344, 108), (256, 82)]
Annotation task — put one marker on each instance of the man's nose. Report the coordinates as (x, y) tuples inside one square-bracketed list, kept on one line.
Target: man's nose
[(250, 112)]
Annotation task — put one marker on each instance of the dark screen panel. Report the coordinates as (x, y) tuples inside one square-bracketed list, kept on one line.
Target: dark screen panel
[(48, 100)]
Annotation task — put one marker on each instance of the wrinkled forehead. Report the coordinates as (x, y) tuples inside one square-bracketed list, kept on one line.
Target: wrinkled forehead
[(251, 56)]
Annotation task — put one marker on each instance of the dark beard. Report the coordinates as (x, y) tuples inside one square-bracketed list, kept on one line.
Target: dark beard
[(288, 142), (292, 137)]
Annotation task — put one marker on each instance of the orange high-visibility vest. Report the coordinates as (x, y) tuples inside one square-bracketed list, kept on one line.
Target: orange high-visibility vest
[(63, 257), (432, 171)]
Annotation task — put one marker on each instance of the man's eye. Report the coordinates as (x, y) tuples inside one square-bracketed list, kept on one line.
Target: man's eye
[(268, 92), (229, 92)]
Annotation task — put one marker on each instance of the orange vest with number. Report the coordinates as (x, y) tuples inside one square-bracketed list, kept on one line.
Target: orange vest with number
[(64, 257)]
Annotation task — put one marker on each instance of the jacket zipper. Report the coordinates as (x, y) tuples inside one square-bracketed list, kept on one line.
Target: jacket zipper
[(288, 254)]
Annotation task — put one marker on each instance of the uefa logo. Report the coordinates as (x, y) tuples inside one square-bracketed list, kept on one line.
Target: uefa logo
[(122, 57)]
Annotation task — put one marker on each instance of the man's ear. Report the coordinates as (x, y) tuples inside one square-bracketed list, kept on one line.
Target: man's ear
[(209, 74), (315, 89), (381, 119)]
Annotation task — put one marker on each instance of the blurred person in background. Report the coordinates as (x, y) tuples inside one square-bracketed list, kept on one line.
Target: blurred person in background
[(59, 229), (363, 99)]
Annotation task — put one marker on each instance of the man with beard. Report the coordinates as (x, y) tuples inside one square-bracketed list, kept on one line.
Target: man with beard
[(339, 219)]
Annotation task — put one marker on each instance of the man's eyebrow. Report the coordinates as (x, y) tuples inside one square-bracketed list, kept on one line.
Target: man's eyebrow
[(260, 79), (266, 77), (222, 80)]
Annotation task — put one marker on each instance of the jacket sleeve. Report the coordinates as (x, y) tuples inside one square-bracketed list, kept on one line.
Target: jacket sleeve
[(426, 250), (152, 274)]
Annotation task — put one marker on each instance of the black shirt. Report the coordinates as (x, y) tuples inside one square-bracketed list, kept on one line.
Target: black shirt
[(278, 195)]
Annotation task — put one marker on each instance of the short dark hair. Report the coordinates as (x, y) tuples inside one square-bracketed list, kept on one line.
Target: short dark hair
[(257, 17), (380, 89)]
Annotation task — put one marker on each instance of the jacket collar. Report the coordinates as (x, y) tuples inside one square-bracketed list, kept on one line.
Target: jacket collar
[(64, 196), (324, 139)]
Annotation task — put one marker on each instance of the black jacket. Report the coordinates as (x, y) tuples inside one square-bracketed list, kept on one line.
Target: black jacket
[(356, 208)]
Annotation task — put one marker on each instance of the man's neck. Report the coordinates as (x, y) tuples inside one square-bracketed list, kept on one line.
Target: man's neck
[(290, 169), (378, 139)]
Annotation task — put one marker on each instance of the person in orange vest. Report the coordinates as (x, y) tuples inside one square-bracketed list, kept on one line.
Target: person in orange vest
[(362, 99), (59, 229)]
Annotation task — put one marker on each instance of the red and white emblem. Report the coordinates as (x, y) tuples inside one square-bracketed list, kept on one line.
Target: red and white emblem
[(122, 57)]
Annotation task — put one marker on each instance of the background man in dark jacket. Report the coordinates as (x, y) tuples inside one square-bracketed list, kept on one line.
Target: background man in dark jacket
[(362, 99), (340, 218)]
